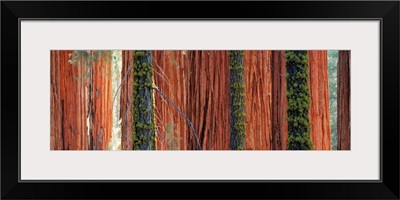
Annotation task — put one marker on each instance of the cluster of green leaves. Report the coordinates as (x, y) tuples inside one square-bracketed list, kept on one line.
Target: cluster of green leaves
[(143, 116), (332, 81), (298, 96), (87, 58), (237, 101)]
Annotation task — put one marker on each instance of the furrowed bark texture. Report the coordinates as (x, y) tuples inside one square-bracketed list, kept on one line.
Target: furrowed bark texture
[(126, 103), (319, 91), (197, 82), (68, 104), (343, 99), (257, 76), (70, 97), (102, 98), (279, 101), (178, 71), (170, 76)]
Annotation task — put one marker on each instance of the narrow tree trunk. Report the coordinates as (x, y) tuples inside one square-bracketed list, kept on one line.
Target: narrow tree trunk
[(298, 96), (343, 99), (237, 101), (126, 100), (279, 101), (143, 114), (101, 95), (319, 91)]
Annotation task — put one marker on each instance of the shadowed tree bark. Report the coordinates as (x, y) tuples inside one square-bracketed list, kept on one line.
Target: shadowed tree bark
[(126, 100), (279, 101), (143, 114), (343, 101), (237, 101)]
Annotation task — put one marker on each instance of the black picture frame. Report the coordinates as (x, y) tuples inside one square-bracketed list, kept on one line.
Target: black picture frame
[(386, 11)]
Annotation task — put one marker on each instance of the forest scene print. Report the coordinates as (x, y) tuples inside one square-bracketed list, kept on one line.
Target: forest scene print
[(200, 100)]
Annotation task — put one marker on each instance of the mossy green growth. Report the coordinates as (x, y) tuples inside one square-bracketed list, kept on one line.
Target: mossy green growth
[(143, 133), (298, 96), (237, 100)]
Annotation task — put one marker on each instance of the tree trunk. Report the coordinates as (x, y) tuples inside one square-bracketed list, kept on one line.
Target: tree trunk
[(279, 101), (143, 114), (126, 100), (257, 76), (319, 91), (68, 104), (343, 99), (237, 101), (70, 97), (197, 82), (101, 125), (207, 80), (298, 96)]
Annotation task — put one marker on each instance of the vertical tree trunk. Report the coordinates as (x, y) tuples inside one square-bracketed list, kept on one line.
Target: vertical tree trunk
[(257, 77), (69, 108), (298, 96), (279, 101), (319, 91), (237, 101), (197, 82), (206, 90), (56, 140), (101, 125), (343, 99), (126, 100), (143, 114), (170, 77)]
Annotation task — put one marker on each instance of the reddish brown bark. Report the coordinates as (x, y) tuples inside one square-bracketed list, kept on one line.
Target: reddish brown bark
[(56, 140), (70, 103), (279, 101), (195, 81), (170, 71), (343, 101), (319, 91), (258, 100), (210, 82), (126, 105), (198, 83), (102, 104)]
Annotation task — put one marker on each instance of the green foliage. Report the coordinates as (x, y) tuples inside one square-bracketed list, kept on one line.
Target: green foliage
[(332, 79), (298, 96), (87, 58), (171, 139), (143, 116), (237, 101)]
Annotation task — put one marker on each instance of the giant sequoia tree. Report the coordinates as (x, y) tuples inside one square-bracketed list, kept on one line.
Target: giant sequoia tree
[(298, 96), (143, 115), (237, 88)]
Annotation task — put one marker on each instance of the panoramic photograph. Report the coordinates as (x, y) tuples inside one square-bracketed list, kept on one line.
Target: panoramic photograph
[(200, 100)]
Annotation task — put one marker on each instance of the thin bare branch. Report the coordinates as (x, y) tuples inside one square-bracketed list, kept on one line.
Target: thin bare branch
[(184, 116)]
